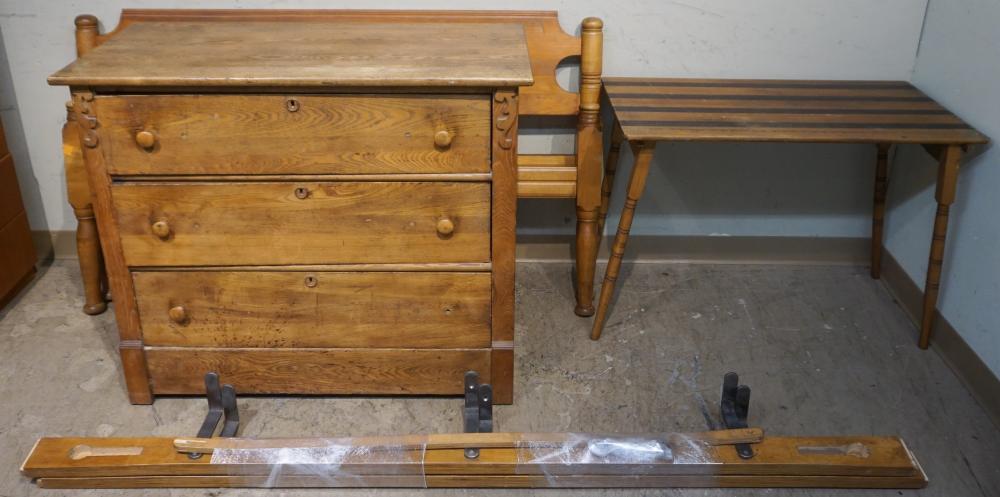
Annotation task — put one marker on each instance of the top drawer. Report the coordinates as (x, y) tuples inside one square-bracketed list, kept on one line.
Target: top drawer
[(297, 134)]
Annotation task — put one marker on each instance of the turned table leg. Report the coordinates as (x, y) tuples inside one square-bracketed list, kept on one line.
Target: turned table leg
[(945, 196), (610, 167), (636, 184), (878, 213)]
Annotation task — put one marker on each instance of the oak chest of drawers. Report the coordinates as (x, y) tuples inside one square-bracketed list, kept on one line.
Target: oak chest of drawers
[(306, 208)]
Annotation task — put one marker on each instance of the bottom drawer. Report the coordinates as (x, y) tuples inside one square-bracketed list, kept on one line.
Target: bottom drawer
[(178, 370)]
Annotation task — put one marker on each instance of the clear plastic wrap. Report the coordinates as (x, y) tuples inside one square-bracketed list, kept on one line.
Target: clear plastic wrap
[(333, 462), (589, 454), (560, 459)]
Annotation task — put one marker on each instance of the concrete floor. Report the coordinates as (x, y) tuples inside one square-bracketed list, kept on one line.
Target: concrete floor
[(825, 349)]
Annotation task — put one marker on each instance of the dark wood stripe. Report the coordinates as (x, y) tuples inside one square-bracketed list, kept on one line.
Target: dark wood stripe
[(784, 124), (852, 98), (771, 110), (736, 105), (846, 85)]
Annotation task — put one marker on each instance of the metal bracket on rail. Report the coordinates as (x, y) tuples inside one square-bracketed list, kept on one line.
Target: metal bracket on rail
[(478, 410), (735, 408), (221, 406)]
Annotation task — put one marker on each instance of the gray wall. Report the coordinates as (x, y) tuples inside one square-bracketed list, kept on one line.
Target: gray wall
[(797, 190), (958, 64), (733, 189)]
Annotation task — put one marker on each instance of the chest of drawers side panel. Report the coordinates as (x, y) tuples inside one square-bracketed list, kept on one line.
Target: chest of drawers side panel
[(503, 214), (126, 312)]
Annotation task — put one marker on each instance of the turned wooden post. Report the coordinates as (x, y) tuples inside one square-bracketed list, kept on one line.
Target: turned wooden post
[(878, 213), (589, 147), (88, 243), (947, 182), (636, 184), (86, 33), (88, 246)]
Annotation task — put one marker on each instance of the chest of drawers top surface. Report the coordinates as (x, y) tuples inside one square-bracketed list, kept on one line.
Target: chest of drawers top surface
[(305, 54)]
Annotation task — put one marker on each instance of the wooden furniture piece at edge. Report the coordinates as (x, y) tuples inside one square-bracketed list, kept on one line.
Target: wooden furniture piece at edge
[(903, 115), (576, 175), (17, 253)]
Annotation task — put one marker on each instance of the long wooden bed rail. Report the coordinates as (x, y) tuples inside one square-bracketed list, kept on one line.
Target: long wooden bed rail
[(506, 460)]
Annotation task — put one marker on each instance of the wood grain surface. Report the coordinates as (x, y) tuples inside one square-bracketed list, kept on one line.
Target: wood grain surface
[(10, 194), (315, 309), (548, 45), (836, 462), (119, 281), (17, 257), (546, 176), (327, 54), (774, 456), (488, 481), (503, 241), (435, 441), (324, 134), (782, 110), (335, 222), (181, 370)]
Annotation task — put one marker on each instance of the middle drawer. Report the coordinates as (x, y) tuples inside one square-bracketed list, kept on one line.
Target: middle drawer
[(280, 223)]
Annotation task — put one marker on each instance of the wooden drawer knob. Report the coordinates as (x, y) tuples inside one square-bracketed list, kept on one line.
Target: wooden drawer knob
[(442, 139), (445, 227), (145, 139), (178, 314), (161, 229), (301, 193)]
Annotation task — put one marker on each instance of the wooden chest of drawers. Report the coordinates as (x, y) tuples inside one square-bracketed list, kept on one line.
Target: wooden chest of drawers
[(307, 208)]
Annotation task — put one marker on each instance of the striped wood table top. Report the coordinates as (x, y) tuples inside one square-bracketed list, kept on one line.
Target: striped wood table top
[(654, 109)]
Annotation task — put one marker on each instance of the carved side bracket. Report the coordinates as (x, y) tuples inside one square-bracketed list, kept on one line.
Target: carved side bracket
[(89, 122), (506, 118)]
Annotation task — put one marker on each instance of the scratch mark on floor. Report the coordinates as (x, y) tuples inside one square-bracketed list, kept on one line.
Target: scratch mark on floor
[(975, 478), (743, 304)]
